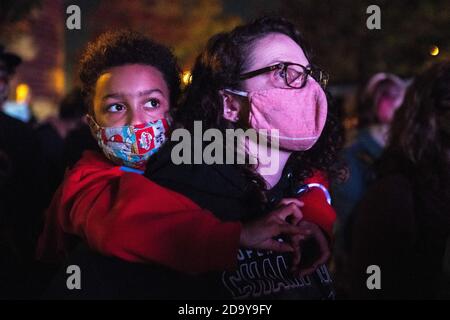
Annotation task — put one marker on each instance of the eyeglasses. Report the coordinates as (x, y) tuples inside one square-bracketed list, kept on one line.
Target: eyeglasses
[(294, 75)]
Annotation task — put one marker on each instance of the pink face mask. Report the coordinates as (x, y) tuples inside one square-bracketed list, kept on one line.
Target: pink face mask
[(299, 115)]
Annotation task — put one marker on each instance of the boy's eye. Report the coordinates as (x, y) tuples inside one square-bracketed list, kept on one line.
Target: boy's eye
[(115, 108), (152, 103)]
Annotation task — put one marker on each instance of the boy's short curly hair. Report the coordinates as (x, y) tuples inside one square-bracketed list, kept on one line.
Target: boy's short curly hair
[(113, 49)]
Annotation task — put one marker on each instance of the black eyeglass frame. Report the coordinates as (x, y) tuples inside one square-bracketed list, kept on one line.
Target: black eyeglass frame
[(316, 73)]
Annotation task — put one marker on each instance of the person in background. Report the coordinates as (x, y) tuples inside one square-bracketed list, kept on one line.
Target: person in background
[(53, 133), (77, 141), (22, 193), (381, 98), (8, 64), (402, 224)]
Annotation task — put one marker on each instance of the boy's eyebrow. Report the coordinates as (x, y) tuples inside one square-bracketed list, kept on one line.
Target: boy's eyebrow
[(150, 91), (117, 95), (113, 95)]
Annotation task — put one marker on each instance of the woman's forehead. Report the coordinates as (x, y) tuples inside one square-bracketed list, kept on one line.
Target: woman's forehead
[(274, 48)]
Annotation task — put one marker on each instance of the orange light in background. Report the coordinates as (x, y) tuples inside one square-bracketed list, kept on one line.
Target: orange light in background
[(57, 76), (22, 92), (434, 51), (186, 77)]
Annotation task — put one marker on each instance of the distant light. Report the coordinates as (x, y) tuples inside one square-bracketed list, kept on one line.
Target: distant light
[(22, 92), (186, 77), (434, 50), (57, 79)]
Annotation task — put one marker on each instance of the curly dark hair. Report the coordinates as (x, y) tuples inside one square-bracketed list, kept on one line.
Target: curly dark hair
[(219, 66), (419, 143), (118, 48), (420, 131)]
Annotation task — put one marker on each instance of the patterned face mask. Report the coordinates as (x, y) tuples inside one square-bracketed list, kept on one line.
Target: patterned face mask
[(132, 145)]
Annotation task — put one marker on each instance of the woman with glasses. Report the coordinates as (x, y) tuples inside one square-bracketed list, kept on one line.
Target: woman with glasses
[(260, 77)]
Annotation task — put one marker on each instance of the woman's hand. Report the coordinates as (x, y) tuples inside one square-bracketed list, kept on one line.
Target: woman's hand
[(262, 233), (296, 218), (309, 231)]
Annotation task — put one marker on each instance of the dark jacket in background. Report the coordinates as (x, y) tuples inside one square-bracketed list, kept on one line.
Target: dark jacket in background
[(401, 225), (360, 157), (22, 201)]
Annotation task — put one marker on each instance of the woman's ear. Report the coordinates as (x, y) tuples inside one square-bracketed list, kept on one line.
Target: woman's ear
[(231, 106)]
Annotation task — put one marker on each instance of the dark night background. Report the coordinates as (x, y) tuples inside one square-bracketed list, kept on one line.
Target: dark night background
[(336, 31)]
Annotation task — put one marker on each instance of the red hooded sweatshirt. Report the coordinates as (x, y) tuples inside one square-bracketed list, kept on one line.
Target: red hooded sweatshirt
[(123, 214)]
